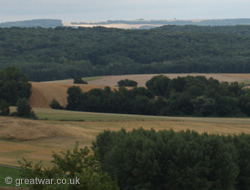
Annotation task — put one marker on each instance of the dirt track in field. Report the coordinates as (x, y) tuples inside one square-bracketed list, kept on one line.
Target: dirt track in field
[(44, 92)]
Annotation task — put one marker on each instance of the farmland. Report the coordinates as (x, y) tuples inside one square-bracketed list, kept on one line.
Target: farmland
[(58, 130), (35, 140)]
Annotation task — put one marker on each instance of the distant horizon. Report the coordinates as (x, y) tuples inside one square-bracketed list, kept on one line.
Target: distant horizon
[(97, 10), (136, 19)]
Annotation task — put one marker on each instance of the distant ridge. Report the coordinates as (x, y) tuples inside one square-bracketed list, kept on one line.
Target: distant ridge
[(127, 24), (44, 23), (146, 24)]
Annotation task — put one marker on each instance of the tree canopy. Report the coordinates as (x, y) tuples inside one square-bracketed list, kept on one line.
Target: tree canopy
[(143, 159), (60, 53)]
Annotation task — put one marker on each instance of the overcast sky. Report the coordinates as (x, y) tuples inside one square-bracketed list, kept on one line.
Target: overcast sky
[(100, 10)]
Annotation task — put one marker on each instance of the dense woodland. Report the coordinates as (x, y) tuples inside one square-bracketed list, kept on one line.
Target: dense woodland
[(162, 160), (182, 96), (48, 54)]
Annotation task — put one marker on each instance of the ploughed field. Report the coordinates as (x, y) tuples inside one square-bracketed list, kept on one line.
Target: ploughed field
[(58, 130)]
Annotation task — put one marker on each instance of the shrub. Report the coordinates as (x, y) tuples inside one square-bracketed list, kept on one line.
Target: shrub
[(55, 105), (127, 82), (78, 80)]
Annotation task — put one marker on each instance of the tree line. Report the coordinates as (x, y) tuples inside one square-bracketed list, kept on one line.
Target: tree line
[(60, 53), (181, 96), (161, 160)]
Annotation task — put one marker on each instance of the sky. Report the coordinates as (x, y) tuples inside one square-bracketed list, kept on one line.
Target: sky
[(102, 10)]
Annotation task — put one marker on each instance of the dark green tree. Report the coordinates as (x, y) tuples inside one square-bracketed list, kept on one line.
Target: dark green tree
[(79, 80), (24, 109), (74, 98), (127, 82), (158, 85), (4, 108), (55, 105)]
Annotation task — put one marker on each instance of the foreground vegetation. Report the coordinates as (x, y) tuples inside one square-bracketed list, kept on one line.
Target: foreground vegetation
[(161, 160), (146, 159), (78, 169), (44, 54)]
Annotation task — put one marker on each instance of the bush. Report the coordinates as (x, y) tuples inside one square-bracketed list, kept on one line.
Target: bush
[(79, 166), (55, 105), (78, 80), (127, 82)]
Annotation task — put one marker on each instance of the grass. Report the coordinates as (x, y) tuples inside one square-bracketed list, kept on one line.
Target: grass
[(65, 115), (90, 78), (9, 172)]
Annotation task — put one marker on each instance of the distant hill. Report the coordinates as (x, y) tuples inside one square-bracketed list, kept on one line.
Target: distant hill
[(44, 23), (147, 24)]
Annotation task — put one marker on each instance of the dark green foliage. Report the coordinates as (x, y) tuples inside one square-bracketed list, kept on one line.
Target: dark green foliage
[(74, 98), (44, 54), (158, 85), (175, 160), (79, 168), (4, 108), (78, 80), (55, 105), (182, 96), (13, 85), (24, 109), (127, 82)]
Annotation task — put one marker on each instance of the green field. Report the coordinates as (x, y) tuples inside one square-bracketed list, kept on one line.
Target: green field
[(9, 172)]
